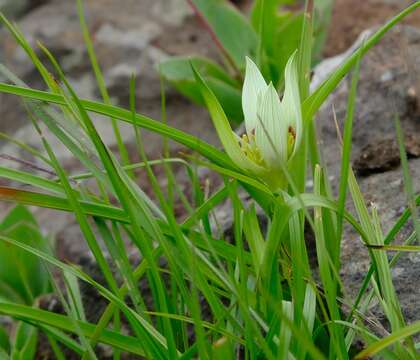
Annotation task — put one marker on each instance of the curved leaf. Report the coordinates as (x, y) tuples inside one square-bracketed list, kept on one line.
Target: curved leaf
[(231, 29), (21, 271), (27, 313)]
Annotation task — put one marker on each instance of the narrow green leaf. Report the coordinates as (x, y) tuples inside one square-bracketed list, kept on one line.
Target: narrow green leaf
[(317, 98), (394, 338), (123, 342), (101, 81), (22, 272), (194, 143), (408, 181), (229, 28)]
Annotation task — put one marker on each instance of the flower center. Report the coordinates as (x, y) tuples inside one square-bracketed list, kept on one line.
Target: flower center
[(291, 139), (250, 149)]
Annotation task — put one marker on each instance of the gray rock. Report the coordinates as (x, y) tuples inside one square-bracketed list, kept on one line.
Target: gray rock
[(13, 8), (129, 39), (126, 41), (388, 87)]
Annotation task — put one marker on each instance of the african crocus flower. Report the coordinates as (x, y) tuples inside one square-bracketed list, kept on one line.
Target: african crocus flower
[(273, 127)]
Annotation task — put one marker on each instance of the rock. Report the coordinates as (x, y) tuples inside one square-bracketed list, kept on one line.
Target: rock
[(126, 43), (386, 77), (13, 8), (129, 39), (379, 156), (386, 191), (384, 154)]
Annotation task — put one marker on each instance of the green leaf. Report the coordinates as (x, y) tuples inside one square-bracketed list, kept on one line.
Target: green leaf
[(317, 98), (264, 16), (232, 31), (285, 42), (337, 345), (227, 137), (395, 338), (322, 18), (178, 72), (135, 319), (30, 179), (254, 237), (236, 175), (229, 97), (26, 340), (279, 36), (74, 295), (61, 203), (123, 342), (264, 19), (222, 349), (408, 181), (177, 69), (346, 150), (4, 340), (100, 80), (192, 142), (285, 334), (21, 271), (414, 248)]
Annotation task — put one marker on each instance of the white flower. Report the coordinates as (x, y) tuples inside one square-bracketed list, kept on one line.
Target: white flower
[(273, 127)]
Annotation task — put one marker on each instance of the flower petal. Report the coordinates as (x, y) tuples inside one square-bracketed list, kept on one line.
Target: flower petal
[(291, 111), (227, 137), (254, 84), (271, 131)]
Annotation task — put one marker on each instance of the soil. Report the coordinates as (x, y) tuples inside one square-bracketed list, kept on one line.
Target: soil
[(351, 17)]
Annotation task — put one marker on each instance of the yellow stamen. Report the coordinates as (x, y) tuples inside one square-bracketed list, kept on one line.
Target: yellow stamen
[(291, 139), (250, 149)]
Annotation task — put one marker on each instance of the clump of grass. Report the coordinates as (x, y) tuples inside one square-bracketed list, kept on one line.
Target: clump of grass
[(255, 297)]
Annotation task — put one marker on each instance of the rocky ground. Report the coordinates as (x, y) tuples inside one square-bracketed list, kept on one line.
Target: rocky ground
[(126, 42), (389, 87), (133, 39)]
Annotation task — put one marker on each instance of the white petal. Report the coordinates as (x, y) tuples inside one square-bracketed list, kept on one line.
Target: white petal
[(254, 84), (291, 105), (227, 137), (271, 130)]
